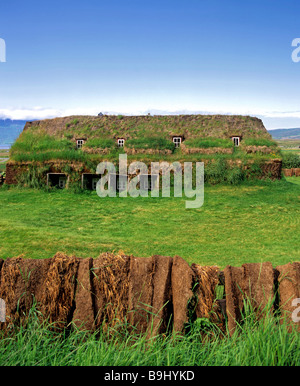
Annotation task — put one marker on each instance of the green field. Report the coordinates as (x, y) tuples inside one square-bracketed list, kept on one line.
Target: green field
[(252, 222), (289, 145), (4, 154)]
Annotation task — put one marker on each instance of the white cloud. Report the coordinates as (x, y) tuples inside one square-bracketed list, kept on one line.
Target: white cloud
[(44, 113), (29, 114), (282, 114)]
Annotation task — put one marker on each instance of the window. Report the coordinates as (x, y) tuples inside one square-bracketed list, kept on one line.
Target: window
[(121, 142), (177, 141), (62, 182), (79, 142), (121, 183), (236, 141), (94, 183), (117, 182), (57, 179), (147, 181)]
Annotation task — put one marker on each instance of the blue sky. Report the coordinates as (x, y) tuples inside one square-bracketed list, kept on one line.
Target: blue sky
[(134, 56)]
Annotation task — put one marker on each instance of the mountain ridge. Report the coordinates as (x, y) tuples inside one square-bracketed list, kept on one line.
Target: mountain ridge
[(293, 133)]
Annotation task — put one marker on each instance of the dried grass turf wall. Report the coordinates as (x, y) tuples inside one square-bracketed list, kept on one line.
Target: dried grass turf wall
[(152, 295)]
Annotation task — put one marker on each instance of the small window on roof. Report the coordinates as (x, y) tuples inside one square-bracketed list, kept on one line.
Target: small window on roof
[(121, 142), (236, 141), (177, 141), (79, 143)]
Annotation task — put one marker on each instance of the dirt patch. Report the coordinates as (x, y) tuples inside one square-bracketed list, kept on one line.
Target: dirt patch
[(259, 284), (253, 283), (297, 172), (144, 294), (288, 172), (182, 292), (110, 284), (258, 149), (131, 151), (141, 293), (84, 316), (272, 169), (206, 282), (289, 289), (22, 285), (210, 150), (234, 302), (162, 295), (58, 300)]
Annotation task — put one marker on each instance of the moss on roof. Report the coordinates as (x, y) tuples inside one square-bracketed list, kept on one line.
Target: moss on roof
[(56, 138), (189, 126)]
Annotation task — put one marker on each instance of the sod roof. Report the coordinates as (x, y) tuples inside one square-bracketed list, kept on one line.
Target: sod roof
[(166, 126)]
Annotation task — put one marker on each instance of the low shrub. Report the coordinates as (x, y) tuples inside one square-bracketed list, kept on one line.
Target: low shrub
[(259, 142), (150, 143), (100, 143), (70, 155), (290, 160), (33, 177), (219, 171), (215, 171), (37, 142)]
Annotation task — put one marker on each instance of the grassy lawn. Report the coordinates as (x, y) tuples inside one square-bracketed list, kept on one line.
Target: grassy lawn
[(252, 222), (4, 154), (267, 343)]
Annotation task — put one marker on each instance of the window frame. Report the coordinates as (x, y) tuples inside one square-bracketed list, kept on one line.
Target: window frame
[(236, 138), (79, 143), (177, 143), (121, 142)]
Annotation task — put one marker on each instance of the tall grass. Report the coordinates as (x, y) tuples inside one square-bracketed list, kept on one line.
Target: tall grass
[(290, 160), (209, 142), (259, 142), (36, 142), (69, 155), (257, 343), (150, 143), (33, 146), (100, 143)]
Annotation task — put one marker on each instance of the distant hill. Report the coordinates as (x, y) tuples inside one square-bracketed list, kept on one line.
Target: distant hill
[(9, 131), (285, 133)]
